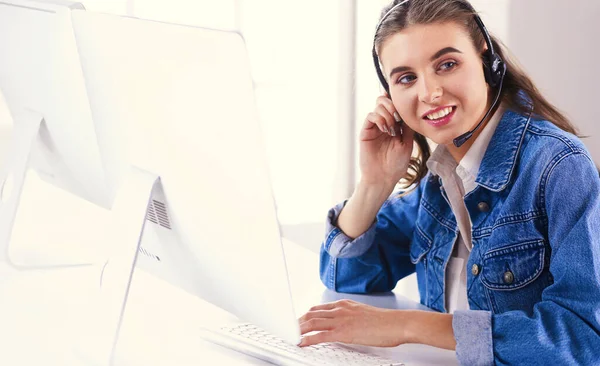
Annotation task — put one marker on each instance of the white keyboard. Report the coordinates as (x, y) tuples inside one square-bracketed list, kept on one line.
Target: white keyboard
[(252, 340)]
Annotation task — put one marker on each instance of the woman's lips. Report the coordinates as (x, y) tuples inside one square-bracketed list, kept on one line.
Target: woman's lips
[(441, 121)]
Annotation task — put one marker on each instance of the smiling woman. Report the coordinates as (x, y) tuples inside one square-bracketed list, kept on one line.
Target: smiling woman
[(496, 214), (453, 58), (441, 77)]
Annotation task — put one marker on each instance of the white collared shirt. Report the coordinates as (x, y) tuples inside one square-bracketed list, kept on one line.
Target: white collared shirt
[(458, 180)]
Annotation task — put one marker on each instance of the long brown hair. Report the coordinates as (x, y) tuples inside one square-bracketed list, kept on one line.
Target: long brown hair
[(516, 81)]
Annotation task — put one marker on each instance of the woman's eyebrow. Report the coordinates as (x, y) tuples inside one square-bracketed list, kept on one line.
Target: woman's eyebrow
[(442, 52), (398, 69), (438, 54)]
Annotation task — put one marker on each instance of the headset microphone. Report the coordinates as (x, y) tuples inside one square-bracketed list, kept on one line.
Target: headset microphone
[(494, 68)]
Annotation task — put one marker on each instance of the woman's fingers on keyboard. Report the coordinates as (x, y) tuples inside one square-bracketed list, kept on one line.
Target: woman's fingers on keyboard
[(321, 337), (316, 325), (327, 306), (349, 321), (317, 314)]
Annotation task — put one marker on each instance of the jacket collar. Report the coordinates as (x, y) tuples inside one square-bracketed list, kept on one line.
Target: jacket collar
[(500, 158)]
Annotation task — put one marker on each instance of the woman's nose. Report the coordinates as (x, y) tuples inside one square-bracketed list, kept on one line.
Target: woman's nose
[(429, 90)]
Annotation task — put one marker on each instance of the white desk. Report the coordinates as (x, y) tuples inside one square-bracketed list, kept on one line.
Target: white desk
[(40, 313)]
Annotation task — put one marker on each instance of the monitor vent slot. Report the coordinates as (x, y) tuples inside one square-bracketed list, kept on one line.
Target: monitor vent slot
[(157, 214)]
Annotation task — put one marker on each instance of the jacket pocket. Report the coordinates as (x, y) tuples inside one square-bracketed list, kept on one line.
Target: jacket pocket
[(514, 266), (420, 245)]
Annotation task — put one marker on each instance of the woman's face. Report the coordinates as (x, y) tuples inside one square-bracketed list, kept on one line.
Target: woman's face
[(436, 80)]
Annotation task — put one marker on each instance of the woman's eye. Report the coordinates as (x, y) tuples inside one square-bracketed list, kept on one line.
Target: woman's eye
[(448, 65), (406, 79)]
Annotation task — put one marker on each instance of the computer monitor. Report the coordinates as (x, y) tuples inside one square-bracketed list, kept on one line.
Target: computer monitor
[(54, 132), (200, 183)]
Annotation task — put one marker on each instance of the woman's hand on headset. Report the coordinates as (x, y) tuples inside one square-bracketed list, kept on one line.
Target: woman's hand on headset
[(385, 145)]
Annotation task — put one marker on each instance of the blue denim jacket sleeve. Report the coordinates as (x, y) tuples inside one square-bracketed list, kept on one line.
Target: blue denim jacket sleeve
[(377, 259), (564, 328)]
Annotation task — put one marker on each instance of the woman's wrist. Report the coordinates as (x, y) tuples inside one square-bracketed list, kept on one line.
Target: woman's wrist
[(425, 327), (407, 323), (361, 210), (374, 192)]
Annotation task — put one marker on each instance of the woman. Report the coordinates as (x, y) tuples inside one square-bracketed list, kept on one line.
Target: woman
[(501, 222)]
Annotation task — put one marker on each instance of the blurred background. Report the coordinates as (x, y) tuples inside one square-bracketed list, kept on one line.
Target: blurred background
[(315, 82)]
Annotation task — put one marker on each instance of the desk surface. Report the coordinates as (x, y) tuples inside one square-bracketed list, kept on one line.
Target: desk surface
[(42, 312)]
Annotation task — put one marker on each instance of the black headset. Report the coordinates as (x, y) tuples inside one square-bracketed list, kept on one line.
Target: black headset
[(494, 67)]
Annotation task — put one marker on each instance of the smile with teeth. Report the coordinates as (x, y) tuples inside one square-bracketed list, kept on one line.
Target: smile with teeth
[(439, 114)]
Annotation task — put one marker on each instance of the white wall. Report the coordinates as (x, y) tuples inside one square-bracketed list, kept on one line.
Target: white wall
[(557, 43)]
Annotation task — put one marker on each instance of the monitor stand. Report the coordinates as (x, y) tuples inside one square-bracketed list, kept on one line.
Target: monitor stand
[(98, 343), (26, 130)]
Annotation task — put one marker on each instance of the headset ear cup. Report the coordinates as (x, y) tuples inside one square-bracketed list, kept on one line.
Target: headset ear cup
[(487, 72), (498, 69), (493, 69)]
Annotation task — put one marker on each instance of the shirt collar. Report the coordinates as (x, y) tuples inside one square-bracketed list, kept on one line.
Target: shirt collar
[(468, 168), (441, 162), (500, 158)]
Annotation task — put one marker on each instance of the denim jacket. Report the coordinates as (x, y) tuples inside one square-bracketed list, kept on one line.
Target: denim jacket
[(533, 275)]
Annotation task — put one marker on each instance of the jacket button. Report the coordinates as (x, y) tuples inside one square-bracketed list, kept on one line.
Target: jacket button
[(483, 207), (475, 270), (509, 277)]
